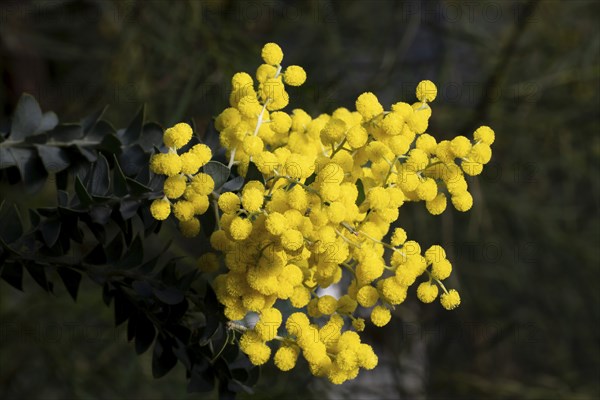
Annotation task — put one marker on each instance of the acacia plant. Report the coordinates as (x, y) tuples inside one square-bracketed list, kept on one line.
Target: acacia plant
[(282, 206)]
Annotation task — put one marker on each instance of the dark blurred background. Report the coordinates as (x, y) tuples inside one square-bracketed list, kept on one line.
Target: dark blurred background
[(526, 256)]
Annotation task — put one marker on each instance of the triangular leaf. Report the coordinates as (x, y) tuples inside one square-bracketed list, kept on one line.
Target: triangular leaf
[(219, 172), (11, 227), (38, 273), (71, 279), (163, 358), (27, 117), (90, 121), (253, 174), (134, 130), (361, 192), (119, 182), (54, 159), (99, 178), (145, 334), (82, 193), (48, 122)]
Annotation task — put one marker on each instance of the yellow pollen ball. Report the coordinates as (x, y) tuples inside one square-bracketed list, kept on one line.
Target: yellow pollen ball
[(160, 209), (380, 316), (450, 300), (294, 75), (426, 91), (272, 54)]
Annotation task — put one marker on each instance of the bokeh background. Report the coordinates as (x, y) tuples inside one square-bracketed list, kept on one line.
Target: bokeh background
[(526, 256)]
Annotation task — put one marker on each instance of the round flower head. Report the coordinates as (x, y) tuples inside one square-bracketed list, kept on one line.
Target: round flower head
[(427, 292), (368, 106), (160, 209), (174, 186), (183, 210), (426, 91), (285, 358), (240, 228), (208, 262), (484, 134), (178, 135), (203, 153), (241, 79), (450, 300), (294, 75), (272, 54), (190, 228), (229, 202), (380, 316), (437, 205), (166, 164)]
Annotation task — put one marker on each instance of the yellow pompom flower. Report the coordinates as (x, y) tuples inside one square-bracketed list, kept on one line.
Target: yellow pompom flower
[(346, 304), (460, 146), (280, 122), (398, 237), (327, 305), (484, 134), (249, 106), (241, 79), (426, 91), (481, 153), (357, 136), (203, 183), (471, 168), (269, 321), (292, 239), (367, 296), (462, 201), (367, 358), (166, 164), (427, 292), (228, 118), (272, 54), (253, 145), (264, 72), (435, 253), (208, 262), (286, 357), (380, 316), (183, 210), (294, 75), (190, 163), (174, 186), (427, 190), (203, 153), (229, 202), (276, 223), (437, 205), (441, 269), (358, 324), (393, 123), (427, 143), (190, 228), (378, 198), (160, 209), (178, 135), (252, 199), (368, 106), (240, 228), (450, 300), (300, 297)]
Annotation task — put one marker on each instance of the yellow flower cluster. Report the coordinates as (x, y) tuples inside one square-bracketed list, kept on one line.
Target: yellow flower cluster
[(185, 189), (330, 189)]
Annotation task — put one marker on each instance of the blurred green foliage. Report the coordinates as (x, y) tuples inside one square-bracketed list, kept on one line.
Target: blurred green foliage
[(526, 256)]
